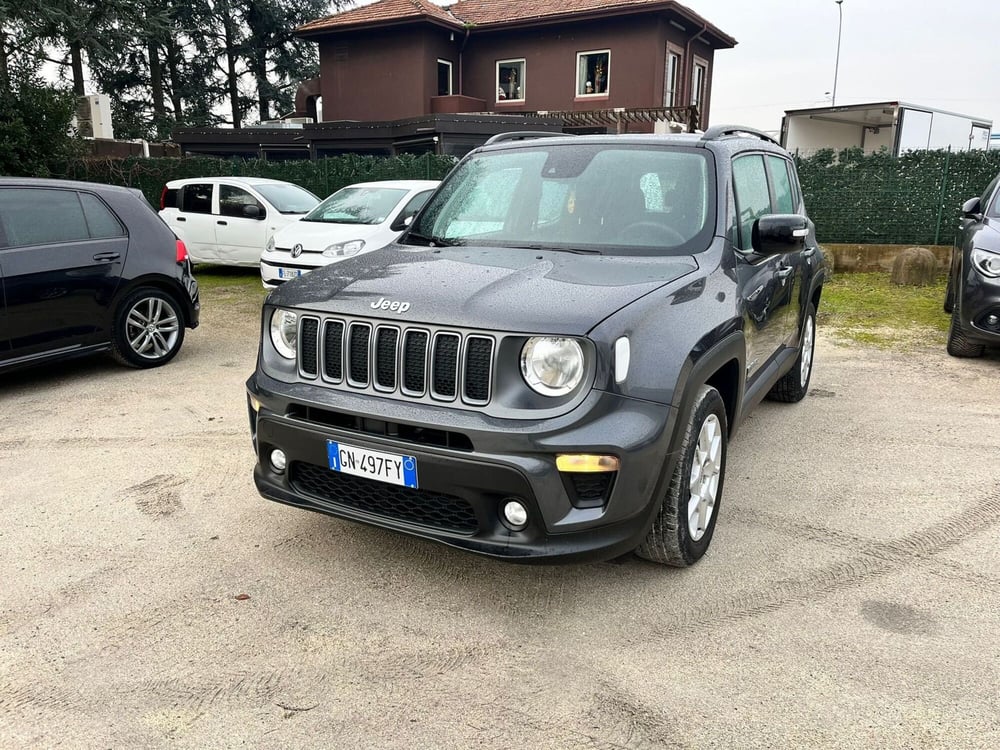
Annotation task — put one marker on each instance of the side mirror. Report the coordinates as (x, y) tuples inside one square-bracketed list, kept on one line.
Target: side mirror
[(972, 208), (775, 234), (402, 221), (252, 211)]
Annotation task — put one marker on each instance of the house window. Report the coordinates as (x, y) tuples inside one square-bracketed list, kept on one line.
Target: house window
[(671, 78), (593, 70), (699, 80), (444, 78), (510, 80)]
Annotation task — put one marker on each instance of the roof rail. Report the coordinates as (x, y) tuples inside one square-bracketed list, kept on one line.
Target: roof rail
[(716, 132), (521, 135)]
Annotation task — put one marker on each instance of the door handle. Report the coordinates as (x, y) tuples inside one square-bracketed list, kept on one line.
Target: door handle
[(222, 223), (809, 252), (785, 271), (181, 218), (107, 257)]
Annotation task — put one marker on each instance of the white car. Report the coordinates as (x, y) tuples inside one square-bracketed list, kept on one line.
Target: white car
[(229, 220), (356, 219)]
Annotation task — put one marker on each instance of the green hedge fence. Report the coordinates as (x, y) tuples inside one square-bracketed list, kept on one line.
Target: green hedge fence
[(853, 198), (914, 199), (322, 177)]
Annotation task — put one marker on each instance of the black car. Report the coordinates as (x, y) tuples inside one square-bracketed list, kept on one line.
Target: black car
[(550, 363), (973, 293), (87, 268)]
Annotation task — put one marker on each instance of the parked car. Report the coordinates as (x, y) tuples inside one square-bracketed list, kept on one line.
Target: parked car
[(229, 220), (552, 360), (973, 291), (86, 268), (356, 219)]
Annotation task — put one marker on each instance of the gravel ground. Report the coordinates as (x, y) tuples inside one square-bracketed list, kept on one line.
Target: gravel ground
[(150, 597)]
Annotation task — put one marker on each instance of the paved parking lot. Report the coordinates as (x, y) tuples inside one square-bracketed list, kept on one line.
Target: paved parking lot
[(149, 597)]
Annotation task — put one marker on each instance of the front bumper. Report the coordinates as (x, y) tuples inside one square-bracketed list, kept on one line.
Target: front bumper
[(277, 267), (468, 466), (979, 304)]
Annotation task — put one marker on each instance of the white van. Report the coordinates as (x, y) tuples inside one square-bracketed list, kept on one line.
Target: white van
[(229, 220)]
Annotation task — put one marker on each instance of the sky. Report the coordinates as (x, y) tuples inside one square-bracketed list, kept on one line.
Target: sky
[(944, 55)]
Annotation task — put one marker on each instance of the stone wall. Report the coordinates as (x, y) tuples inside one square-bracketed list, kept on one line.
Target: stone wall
[(855, 258)]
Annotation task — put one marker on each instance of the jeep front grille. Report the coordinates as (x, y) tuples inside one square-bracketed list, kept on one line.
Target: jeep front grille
[(422, 363)]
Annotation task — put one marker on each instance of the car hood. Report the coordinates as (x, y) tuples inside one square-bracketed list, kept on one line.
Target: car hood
[(316, 236), (486, 288)]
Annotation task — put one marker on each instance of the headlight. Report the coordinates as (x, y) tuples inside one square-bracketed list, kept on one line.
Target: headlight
[(986, 263), (344, 249), (552, 366), (270, 244), (283, 329)]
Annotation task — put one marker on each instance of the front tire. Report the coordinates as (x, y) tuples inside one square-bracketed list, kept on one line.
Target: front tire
[(148, 329), (794, 384), (959, 344), (685, 522)]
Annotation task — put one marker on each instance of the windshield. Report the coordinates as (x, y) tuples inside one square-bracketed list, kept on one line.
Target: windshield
[(358, 205), (627, 199), (288, 199)]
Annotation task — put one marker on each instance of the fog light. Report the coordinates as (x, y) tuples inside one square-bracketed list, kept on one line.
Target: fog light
[(992, 321), (254, 403), (515, 514), (278, 460), (585, 463)]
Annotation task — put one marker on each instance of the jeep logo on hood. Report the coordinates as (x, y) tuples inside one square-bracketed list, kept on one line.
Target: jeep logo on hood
[(390, 305)]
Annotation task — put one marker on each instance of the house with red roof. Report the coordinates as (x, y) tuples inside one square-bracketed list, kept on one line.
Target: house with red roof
[(395, 59), (412, 76)]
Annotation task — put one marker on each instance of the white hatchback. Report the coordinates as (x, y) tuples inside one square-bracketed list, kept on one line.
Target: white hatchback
[(229, 220), (356, 219)]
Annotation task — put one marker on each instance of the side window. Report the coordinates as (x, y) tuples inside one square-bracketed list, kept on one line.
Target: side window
[(232, 201), (416, 203), (784, 199), (752, 197), (42, 216), (169, 198), (197, 199), (100, 221), (410, 210), (993, 210)]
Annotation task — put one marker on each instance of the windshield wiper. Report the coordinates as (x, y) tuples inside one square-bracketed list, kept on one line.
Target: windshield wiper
[(558, 249), (332, 221), (433, 241)]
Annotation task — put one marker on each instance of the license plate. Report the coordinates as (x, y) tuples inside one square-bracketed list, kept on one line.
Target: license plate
[(289, 273), (383, 467)]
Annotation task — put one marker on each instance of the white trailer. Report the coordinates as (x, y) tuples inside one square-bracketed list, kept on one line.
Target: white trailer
[(895, 126)]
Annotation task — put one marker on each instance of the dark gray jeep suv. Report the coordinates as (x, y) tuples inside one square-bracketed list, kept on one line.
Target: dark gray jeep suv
[(551, 361)]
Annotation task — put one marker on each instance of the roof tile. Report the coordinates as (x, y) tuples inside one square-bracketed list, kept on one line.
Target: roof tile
[(486, 13), (380, 12)]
